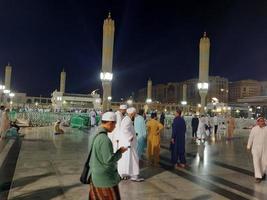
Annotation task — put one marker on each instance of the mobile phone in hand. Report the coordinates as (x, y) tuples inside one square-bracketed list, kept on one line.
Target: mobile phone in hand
[(129, 147)]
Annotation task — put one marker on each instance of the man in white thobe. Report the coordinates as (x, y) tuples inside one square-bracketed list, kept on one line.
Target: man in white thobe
[(128, 165), (93, 118), (114, 137), (257, 142), (201, 129)]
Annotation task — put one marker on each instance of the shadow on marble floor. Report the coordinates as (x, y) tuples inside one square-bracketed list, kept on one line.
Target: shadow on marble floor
[(46, 193), (202, 197), (150, 172), (29, 179), (4, 187)]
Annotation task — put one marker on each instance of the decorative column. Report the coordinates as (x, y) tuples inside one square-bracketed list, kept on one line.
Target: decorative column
[(62, 81), (203, 84), (149, 91), (106, 75), (8, 72)]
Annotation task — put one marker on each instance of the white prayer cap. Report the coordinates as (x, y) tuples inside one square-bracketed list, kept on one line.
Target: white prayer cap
[(260, 117), (109, 117), (123, 107), (131, 110)]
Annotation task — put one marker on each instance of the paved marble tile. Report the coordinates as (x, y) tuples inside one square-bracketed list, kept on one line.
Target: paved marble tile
[(49, 167)]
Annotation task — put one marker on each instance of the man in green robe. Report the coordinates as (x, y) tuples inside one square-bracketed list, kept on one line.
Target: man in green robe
[(103, 162)]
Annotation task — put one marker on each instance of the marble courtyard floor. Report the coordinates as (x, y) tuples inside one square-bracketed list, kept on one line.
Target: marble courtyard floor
[(43, 166)]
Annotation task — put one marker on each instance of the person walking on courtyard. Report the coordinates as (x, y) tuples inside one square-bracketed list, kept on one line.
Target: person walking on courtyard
[(201, 129), (5, 123), (128, 165), (178, 140), (194, 125), (103, 162), (93, 117), (140, 129), (207, 126), (2, 109), (257, 143), (114, 137), (162, 118), (230, 128), (215, 124), (154, 128)]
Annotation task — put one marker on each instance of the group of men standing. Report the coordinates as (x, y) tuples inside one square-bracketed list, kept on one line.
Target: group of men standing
[(125, 135), (202, 127), (134, 132), (128, 135)]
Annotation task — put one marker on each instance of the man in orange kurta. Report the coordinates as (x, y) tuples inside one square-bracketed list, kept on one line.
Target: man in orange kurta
[(154, 128), (231, 128)]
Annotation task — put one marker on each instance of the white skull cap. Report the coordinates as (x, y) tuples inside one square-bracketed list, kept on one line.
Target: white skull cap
[(131, 110), (123, 107), (109, 117)]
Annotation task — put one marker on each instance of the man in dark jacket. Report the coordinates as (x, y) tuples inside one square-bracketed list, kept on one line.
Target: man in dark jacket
[(178, 140), (194, 124)]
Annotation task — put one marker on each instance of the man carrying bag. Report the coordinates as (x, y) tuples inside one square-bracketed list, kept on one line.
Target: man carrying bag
[(102, 168)]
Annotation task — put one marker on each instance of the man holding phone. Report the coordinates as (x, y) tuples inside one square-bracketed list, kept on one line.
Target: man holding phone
[(103, 162)]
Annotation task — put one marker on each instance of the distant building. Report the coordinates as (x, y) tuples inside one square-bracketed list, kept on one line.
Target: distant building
[(69, 101), (263, 88), (219, 88), (22, 100), (163, 93), (244, 88), (141, 95), (173, 92)]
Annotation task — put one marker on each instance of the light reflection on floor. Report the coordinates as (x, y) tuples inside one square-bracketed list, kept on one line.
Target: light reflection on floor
[(49, 167)]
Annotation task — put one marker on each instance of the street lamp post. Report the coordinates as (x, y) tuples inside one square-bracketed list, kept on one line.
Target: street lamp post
[(184, 104), (106, 78), (11, 95), (6, 92), (203, 90), (130, 102)]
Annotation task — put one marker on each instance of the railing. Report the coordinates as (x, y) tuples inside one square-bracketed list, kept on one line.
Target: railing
[(43, 118), (48, 118)]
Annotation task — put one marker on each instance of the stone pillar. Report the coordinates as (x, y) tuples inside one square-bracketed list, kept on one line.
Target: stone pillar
[(149, 89), (204, 53), (62, 81), (107, 61), (184, 92), (8, 72)]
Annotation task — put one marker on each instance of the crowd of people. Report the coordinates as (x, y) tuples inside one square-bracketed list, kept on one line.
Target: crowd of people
[(203, 127), (120, 143), (124, 137)]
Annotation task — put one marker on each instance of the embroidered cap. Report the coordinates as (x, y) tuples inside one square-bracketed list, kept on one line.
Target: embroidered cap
[(123, 107), (109, 117), (131, 110)]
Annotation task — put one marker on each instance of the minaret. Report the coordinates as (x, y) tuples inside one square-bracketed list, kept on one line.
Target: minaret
[(8, 72), (62, 81), (107, 60), (204, 54), (184, 92), (149, 91)]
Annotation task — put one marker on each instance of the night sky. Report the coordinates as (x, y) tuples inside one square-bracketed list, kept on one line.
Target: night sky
[(157, 39)]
